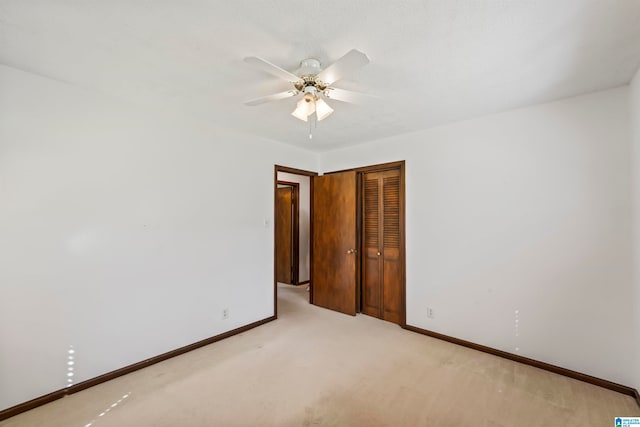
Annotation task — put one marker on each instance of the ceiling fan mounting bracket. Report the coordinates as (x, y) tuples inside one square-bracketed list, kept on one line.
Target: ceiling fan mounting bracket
[(309, 66)]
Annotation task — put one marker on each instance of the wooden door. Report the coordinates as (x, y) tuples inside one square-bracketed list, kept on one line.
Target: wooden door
[(382, 268), (371, 247), (284, 234), (334, 242)]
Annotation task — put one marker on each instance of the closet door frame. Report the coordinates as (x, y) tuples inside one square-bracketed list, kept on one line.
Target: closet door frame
[(399, 165)]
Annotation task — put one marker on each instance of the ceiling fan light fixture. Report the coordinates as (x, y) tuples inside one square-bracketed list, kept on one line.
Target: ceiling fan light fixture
[(304, 108), (300, 114), (322, 109)]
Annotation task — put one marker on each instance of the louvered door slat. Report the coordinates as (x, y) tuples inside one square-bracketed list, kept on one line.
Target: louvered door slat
[(391, 206), (371, 202)]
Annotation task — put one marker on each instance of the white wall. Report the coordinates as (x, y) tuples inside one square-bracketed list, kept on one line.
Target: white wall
[(117, 236), (521, 216), (635, 175), (120, 232), (304, 207)]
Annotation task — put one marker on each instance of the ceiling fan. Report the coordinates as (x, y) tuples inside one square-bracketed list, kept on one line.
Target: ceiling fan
[(314, 83)]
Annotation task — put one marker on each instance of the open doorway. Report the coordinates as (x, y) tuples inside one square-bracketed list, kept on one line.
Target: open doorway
[(293, 189)]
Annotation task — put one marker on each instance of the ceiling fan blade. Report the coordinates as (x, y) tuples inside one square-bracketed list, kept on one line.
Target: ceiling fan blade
[(272, 69), (273, 97), (350, 62), (348, 95)]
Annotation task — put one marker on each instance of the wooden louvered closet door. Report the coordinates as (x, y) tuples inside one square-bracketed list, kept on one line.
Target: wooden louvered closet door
[(381, 261)]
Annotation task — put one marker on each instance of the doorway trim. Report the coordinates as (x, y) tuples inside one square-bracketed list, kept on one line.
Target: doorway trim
[(294, 171)]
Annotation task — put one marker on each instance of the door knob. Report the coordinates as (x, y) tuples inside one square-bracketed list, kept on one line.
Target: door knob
[(352, 251), (378, 253)]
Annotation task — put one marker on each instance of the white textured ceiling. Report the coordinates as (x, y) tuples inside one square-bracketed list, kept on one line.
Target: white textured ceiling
[(432, 62)]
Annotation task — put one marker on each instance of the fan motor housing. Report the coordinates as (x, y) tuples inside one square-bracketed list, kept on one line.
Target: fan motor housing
[(309, 80), (308, 71)]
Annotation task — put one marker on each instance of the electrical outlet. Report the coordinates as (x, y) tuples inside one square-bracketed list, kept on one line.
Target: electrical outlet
[(225, 313), (430, 313)]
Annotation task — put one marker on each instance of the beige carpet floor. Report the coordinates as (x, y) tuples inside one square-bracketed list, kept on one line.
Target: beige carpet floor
[(314, 367)]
